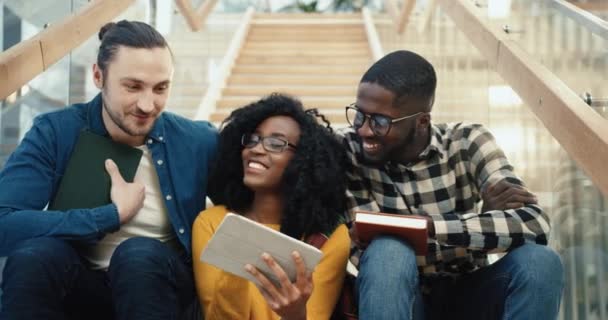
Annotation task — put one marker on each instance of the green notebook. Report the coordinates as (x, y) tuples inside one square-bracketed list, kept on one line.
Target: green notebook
[(85, 183)]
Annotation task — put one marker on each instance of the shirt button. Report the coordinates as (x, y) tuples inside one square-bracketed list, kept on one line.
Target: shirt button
[(181, 230), (160, 162), (169, 197), (160, 138), (150, 141)]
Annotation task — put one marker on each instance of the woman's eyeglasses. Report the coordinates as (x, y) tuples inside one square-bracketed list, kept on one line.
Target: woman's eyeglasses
[(270, 143), (380, 124)]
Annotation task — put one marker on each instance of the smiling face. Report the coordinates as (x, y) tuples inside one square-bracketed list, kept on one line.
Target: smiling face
[(135, 88), (398, 144), (263, 170)]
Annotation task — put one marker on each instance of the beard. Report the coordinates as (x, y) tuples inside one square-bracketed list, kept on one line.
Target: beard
[(121, 123), (390, 153)]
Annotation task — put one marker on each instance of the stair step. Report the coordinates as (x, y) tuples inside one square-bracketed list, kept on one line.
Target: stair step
[(271, 79), (336, 117), (339, 60), (305, 16), (326, 29), (307, 37), (307, 51), (331, 25), (341, 69), (291, 23), (309, 31), (318, 58), (260, 90), (302, 24), (230, 102), (275, 45)]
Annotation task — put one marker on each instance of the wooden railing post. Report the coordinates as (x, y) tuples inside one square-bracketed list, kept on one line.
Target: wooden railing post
[(195, 18)]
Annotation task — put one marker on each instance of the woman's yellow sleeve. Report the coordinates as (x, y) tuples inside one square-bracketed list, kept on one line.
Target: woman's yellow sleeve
[(221, 294), (328, 276)]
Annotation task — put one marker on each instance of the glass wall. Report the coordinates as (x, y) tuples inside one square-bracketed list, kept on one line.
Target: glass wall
[(471, 92), (197, 57), (20, 20), (575, 49)]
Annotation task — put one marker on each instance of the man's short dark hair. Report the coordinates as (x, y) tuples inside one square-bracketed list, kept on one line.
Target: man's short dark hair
[(405, 74)]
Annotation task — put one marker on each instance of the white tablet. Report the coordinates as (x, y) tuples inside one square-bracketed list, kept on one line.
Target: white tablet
[(239, 241)]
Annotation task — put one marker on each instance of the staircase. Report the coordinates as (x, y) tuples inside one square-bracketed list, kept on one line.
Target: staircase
[(318, 58), (195, 53)]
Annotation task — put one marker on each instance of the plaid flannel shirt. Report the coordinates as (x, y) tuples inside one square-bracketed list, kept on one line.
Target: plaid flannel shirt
[(459, 162)]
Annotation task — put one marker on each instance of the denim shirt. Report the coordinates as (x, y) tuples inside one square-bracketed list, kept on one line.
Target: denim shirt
[(32, 174)]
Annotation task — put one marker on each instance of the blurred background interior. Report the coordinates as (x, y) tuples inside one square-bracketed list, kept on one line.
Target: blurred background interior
[(534, 71)]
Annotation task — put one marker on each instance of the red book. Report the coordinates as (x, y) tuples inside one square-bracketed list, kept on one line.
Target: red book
[(410, 228)]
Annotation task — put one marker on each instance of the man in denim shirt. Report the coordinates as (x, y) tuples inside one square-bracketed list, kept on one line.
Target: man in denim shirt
[(127, 259)]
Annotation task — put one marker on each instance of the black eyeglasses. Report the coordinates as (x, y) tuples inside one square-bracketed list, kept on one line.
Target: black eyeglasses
[(270, 144), (380, 124)]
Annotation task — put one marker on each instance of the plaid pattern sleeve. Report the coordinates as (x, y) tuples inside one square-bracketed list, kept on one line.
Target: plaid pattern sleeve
[(460, 161), (493, 230)]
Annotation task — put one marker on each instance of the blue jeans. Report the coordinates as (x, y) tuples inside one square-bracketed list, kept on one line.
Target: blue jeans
[(45, 278), (527, 283)]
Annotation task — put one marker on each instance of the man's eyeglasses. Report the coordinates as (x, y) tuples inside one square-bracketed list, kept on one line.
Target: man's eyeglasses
[(380, 124), (270, 144)]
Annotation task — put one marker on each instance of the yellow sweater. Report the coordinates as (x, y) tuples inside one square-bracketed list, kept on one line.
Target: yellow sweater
[(224, 296)]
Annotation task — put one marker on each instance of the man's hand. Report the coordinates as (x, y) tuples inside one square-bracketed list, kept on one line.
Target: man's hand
[(128, 197), (505, 195)]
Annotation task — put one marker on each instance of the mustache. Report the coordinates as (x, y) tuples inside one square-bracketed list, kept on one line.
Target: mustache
[(141, 113)]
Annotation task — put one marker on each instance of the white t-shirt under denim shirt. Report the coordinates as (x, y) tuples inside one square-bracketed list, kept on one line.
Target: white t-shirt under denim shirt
[(152, 221)]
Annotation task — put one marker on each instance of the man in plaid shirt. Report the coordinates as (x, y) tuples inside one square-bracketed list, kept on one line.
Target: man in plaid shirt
[(402, 163)]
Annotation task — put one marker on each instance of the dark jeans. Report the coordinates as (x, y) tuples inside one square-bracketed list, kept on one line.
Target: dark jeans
[(45, 278)]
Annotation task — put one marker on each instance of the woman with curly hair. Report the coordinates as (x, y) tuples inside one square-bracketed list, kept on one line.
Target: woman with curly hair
[(277, 166)]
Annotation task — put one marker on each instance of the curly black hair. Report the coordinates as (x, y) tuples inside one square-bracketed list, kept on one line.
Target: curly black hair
[(313, 183)]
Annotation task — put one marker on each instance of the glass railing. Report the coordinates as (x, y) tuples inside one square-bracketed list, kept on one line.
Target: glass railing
[(470, 91), (197, 58), (63, 83), (21, 20), (198, 55), (569, 41)]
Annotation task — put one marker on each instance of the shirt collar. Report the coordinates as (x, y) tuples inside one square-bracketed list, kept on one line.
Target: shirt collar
[(158, 130), (96, 125), (94, 118), (435, 145), (432, 149)]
